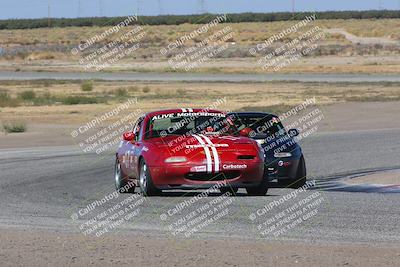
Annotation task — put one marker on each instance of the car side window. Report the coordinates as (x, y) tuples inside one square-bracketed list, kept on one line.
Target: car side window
[(136, 129)]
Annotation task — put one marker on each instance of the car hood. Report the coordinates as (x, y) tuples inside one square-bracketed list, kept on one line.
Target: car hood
[(199, 140), (283, 143), (196, 147)]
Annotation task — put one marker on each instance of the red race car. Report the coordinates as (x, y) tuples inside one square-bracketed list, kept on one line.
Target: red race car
[(189, 149)]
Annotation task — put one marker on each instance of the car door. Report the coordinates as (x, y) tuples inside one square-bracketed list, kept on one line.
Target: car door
[(136, 147), (127, 152)]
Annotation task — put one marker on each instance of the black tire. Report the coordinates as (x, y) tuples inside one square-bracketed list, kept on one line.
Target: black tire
[(120, 180), (260, 190), (229, 189), (301, 175), (147, 187)]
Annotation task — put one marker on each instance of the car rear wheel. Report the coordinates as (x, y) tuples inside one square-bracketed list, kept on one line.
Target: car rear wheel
[(229, 189), (146, 184), (120, 180), (260, 190)]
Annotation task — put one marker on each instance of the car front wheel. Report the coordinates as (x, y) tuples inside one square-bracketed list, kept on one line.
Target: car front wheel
[(145, 182)]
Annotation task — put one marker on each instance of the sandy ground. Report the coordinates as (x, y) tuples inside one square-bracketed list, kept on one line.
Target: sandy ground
[(341, 117), (382, 178), (38, 135), (361, 40), (35, 248), (322, 64), (361, 116)]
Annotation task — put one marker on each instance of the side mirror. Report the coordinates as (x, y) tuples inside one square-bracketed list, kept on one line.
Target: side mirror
[(246, 132), (293, 132), (128, 136)]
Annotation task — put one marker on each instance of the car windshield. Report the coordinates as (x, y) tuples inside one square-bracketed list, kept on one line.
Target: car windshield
[(190, 123), (268, 124)]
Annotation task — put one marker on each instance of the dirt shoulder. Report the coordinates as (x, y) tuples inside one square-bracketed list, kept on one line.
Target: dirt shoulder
[(381, 178), (343, 117), (317, 64), (40, 248), (360, 116)]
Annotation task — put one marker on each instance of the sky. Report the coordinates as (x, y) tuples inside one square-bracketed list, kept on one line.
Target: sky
[(92, 8)]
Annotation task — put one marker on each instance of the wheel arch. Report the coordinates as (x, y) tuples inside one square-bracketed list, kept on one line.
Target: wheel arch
[(141, 158)]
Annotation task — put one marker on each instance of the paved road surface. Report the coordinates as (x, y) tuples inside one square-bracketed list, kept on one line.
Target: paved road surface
[(199, 77), (42, 187)]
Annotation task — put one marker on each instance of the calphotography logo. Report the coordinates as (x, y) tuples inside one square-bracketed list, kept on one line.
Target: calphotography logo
[(98, 53), (103, 133), (185, 38), (198, 213), (108, 213), (211, 45), (282, 55), (288, 212)]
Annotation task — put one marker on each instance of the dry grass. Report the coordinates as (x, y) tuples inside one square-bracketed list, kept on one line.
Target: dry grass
[(49, 49), (367, 28), (331, 64), (14, 127), (273, 97), (246, 33)]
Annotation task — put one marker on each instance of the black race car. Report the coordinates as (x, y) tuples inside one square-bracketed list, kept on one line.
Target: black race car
[(284, 160)]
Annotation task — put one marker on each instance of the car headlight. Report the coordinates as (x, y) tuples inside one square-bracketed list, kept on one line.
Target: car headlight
[(283, 155), (175, 159), (260, 141), (261, 152)]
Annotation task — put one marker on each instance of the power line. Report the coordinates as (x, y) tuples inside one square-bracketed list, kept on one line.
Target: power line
[(79, 8), (381, 4), (100, 8), (48, 14), (293, 7), (139, 6), (160, 7), (203, 8)]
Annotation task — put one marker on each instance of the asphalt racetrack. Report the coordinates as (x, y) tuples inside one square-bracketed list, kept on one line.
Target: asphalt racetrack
[(44, 188)]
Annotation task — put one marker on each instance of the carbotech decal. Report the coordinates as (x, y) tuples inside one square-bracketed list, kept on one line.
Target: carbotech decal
[(234, 166)]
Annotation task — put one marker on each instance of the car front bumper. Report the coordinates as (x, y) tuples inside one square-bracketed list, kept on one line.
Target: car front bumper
[(281, 168), (182, 176)]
